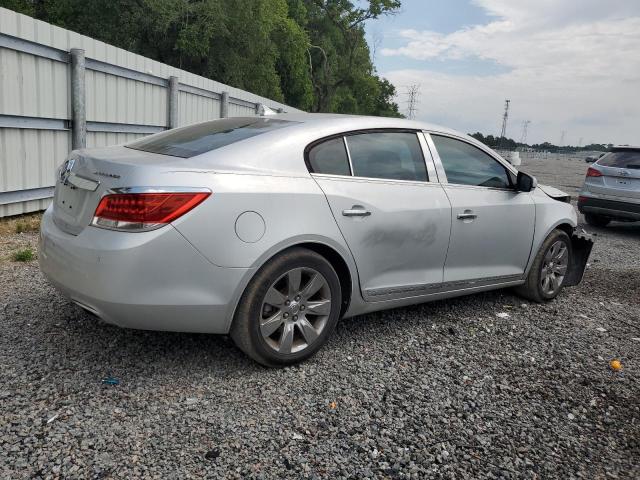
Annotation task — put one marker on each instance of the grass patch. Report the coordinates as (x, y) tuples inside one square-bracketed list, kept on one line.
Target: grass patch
[(27, 226), (24, 255), (26, 223)]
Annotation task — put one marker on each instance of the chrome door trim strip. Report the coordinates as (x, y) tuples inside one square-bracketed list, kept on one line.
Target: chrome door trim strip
[(396, 293), (432, 175), (442, 176), (346, 147), (480, 187), (329, 176)]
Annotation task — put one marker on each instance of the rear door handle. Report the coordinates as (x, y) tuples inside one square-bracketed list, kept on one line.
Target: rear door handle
[(467, 215), (356, 212)]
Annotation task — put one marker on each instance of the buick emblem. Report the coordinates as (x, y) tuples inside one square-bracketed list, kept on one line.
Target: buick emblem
[(65, 170)]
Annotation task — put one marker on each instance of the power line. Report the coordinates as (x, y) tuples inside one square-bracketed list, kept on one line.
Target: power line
[(505, 117), (413, 93), (525, 128)]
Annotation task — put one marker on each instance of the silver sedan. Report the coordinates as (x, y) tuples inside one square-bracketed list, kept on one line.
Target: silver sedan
[(272, 228)]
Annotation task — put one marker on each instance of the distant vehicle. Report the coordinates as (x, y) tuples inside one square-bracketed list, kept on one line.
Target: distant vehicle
[(611, 189), (271, 229), (594, 158)]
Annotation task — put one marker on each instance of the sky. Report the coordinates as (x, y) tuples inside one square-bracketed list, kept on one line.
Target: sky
[(568, 66)]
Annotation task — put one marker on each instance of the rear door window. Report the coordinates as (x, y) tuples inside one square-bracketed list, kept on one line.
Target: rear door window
[(329, 157), (387, 155), (196, 139), (623, 159)]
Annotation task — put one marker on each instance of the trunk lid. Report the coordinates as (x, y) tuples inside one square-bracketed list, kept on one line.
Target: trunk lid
[(620, 174), (87, 175), (620, 182)]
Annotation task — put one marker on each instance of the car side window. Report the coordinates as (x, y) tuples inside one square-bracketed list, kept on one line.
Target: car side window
[(329, 157), (388, 155), (465, 164)]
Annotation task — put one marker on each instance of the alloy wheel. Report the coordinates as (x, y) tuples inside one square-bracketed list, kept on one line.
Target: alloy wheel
[(554, 267), (295, 310)]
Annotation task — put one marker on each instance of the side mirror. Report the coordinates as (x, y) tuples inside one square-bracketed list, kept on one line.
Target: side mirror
[(525, 182)]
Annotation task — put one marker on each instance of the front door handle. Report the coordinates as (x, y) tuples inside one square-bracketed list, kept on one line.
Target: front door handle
[(356, 211), (467, 215)]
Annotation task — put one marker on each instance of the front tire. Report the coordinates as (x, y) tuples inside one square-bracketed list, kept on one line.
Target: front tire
[(550, 267), (596, 220), (289, 309)]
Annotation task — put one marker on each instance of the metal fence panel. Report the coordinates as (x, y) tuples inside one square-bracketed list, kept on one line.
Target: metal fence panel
[(126, 98)]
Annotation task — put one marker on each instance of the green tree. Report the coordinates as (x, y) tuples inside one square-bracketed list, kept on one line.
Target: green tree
[(343, 75), (311, 54)]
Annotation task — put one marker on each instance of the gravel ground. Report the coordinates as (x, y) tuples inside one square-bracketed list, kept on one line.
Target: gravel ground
[(448, 389)]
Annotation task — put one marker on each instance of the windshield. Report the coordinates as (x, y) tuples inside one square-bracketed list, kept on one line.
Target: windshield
[(621, 159), (196, 139)]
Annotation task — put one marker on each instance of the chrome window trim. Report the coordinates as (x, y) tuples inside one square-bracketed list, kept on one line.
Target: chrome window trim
[(428, 159), (330, 176), (484, 149), (480, 187), (346, 147), (442, 176)]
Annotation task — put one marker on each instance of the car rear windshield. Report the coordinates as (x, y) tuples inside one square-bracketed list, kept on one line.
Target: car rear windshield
[(621, 159), (196, 139)]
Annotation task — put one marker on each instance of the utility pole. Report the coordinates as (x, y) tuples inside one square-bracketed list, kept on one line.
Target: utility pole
[(505, 117), (525, 128), (564, 133), (413, 93)]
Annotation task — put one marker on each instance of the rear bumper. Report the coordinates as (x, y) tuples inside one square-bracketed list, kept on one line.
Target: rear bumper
[(152, 280), (609, 208)]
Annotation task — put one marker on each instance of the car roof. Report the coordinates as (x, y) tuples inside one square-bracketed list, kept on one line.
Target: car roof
[(340, 121), (280, 149)]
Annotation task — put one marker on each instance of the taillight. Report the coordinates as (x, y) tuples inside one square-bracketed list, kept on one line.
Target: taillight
[(144, 211), (592, 172)]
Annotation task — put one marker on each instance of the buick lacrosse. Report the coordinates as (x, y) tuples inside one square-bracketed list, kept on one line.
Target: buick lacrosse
[(272, 228)]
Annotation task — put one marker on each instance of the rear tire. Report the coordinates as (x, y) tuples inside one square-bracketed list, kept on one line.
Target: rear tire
[(289, 309), (596, 220), (550, 267)]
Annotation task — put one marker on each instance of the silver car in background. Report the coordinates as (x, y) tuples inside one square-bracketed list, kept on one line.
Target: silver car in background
[(611, 189), (272, 228)]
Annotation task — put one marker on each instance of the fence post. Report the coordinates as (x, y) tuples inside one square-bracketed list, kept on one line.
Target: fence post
[(78, 100), (173, 102), (224, 105)]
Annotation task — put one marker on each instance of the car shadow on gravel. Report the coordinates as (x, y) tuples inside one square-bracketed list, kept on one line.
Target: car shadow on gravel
[(73, 338), (444, 312), (77, 341)]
